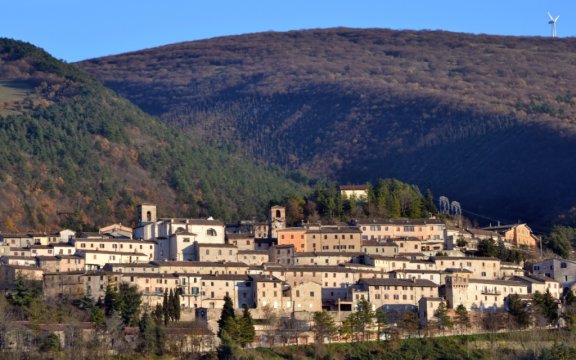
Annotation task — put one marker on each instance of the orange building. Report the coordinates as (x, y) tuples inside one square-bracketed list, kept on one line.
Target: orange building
[(293, 236), (519, 235)]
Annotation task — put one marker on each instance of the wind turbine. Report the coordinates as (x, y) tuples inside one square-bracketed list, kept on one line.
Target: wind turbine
[(552, 23)]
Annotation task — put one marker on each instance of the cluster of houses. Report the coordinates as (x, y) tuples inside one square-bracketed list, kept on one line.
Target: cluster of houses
[(397, 265)]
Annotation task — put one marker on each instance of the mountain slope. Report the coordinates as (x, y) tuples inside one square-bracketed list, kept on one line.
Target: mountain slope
[(74, 152), (486, 120)]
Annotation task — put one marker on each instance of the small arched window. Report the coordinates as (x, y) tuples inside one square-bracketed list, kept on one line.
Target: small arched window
[(148, 216), (278, 214), (211, 232)]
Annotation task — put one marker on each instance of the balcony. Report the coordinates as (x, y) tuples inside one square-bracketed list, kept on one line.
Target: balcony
[(491, 292)]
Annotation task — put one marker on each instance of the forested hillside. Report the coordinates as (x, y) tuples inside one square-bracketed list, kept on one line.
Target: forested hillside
[(486, 120), (73, 153)]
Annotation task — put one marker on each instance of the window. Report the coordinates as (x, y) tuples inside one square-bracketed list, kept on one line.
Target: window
[(186, 239), (563, 265), (408, 228), (211, 232)]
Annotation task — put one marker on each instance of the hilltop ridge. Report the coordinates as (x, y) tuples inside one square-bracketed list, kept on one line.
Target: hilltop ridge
[(76, 154), (486, 120)]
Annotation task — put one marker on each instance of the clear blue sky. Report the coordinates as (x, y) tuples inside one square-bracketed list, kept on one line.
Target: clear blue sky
[(79, 29)]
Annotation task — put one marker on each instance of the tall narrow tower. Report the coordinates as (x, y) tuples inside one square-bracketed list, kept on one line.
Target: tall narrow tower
[(276, 220), (146, 213)]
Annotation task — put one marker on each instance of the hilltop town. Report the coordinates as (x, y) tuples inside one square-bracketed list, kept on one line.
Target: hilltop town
[(408, 269)]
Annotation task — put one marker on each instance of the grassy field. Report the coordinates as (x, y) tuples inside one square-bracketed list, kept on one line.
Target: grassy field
[(12, 93)]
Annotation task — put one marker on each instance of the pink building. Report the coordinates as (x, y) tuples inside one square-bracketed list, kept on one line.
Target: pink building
[(423, 229)]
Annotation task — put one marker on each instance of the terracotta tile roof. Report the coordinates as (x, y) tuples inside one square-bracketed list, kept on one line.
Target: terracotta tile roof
[(398, 282), (399, 222)]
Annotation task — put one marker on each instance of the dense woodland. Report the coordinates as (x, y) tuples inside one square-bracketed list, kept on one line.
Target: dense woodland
[(388, 198), (75, 154), (485, 119)]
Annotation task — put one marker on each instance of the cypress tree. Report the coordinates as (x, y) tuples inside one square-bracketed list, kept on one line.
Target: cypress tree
[(429, 202), (171, 311), (176, 305), (158, 314), (165, 309)]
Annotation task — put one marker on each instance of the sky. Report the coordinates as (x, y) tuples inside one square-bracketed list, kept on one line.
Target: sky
[(75, 30)]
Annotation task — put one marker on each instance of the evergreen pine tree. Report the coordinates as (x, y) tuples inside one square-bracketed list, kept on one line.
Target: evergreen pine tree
[(547, 306), (365, 317), (111, 303), (444, 320), (97, 317), (519, 311), (160, 338), (227, 313), (429, 202), (246, 327), (147, 334), (324, 326), (381, 321), (569, 298), (129, 300), (462, 318)]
